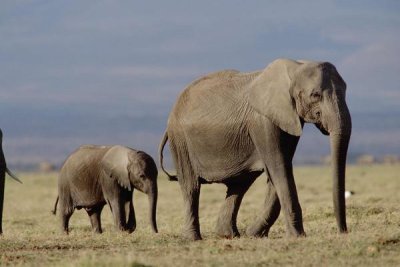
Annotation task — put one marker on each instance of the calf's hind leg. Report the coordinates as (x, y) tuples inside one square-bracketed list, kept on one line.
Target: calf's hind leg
[(94, 215), (65, 214)]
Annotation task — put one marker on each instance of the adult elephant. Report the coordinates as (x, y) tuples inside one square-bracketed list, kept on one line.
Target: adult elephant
[(3, 171), (95, 175), (228, 127)]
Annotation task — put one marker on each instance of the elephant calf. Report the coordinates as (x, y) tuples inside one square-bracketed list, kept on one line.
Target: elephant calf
[(93, 176)]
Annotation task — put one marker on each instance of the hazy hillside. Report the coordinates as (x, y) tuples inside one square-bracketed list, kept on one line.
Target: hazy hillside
[(32, 136)]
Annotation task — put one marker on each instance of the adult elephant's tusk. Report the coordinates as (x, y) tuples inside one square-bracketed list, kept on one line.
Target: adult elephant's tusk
[(13, 175)]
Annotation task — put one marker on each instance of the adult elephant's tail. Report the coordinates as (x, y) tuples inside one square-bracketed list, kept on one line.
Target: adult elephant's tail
[(161, 157), (54, 211)]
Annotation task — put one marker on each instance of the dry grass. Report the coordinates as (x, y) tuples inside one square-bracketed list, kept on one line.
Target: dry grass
[(32, 236)]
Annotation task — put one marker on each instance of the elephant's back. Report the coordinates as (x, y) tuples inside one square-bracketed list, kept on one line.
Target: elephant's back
[(84, 155), (209, 123), (214, 77), (214, 88), (79, 175), (206, 93)]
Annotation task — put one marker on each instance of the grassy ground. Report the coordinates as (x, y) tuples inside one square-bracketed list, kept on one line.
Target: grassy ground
[(32, 236)]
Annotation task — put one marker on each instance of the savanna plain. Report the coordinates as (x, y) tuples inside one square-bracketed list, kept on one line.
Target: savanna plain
[(32, 235)]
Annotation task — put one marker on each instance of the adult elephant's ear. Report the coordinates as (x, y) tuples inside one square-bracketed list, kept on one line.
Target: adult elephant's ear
[(115, 165), (269, 95)]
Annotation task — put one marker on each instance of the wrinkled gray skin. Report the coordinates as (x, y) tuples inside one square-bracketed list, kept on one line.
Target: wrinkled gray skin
[(3, 171), (229, 127), (93, 176)]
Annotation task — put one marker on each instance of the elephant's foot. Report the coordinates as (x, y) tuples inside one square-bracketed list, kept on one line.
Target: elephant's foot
[(65, 229), (126, 228), (227, 233), (294, 233), (97, 231), (192, 235), (258, 230), (122, 228), (295, 229), (130, 230), (225, 230), (131, 226)]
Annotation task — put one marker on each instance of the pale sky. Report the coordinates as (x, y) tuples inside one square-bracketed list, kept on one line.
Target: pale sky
[(65, 61)]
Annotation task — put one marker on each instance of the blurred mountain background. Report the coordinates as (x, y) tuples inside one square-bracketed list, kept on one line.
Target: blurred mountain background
[(108, 72)]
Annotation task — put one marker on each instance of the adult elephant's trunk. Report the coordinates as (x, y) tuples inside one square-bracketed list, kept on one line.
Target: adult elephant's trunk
[(153, 195), (340, 131)]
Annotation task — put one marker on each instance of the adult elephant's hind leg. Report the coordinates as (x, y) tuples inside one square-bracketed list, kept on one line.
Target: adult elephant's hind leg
[(190, 187), (226, 224), (191, 194), (268, 216)]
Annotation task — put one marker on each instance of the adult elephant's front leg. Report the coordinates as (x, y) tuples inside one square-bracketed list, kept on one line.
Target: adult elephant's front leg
[(276, 149), (269, 214), (283, 180), (226, 224)]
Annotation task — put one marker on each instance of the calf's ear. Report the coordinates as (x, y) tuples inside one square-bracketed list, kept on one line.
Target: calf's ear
[(115, 165)]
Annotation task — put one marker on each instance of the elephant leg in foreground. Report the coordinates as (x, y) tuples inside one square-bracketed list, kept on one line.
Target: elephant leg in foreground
[(190, 188), (226, 224), (118, 211), (118, 201), (270, 213), (276, 151), (131, 224), (191, 194), (94, 215)]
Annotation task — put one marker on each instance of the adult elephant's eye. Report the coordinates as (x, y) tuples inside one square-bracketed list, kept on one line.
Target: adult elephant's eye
[(316, 95)]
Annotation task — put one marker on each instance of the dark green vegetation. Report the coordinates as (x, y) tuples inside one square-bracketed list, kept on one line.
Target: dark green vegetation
[(32, 234)]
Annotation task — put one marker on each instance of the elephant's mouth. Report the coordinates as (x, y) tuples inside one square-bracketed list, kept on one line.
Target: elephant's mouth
[(321, 128)]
